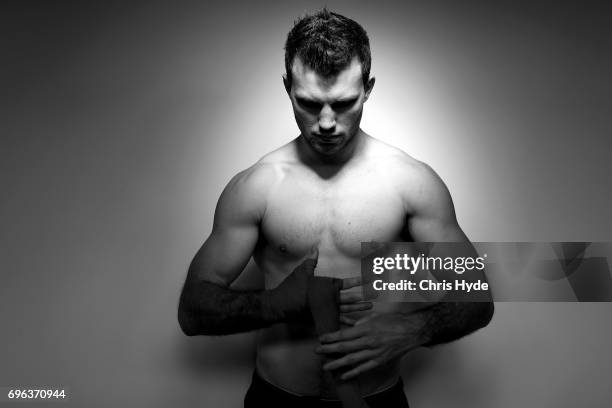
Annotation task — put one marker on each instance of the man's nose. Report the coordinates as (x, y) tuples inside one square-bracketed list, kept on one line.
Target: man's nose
[(327, 119)]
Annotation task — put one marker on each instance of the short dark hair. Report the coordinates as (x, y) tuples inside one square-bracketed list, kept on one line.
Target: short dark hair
[(327, 42)]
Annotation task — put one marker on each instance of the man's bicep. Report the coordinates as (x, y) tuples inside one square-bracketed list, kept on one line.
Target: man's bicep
[(235, 233), (434, 228), (224, 255), (432, 217)]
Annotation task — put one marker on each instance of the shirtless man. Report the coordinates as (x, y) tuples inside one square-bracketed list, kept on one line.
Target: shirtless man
[(305, 208)]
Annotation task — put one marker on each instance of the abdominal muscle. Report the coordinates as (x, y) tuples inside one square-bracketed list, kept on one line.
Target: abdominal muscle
[(286, 354), (286, 359)]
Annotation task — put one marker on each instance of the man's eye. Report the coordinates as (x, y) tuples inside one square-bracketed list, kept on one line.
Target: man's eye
[(309, 104), (342, 105)]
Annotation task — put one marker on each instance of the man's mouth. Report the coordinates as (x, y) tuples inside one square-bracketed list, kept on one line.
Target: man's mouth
[(329, 140)]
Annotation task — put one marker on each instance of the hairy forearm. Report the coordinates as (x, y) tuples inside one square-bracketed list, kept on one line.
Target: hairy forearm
[(448, 321), (209, 309)]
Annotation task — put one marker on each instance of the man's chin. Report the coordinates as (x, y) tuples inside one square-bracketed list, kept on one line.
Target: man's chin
[(328, 148)]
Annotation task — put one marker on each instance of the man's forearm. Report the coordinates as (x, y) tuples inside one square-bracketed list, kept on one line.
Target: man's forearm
[(448, 321), (209, 309), (206, 308)]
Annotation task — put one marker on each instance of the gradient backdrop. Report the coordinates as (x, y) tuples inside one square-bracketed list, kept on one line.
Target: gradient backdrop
[(121, 123)]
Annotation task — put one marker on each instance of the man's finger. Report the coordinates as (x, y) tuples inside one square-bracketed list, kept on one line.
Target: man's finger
[(348, 283), (347, 346), (347, 320), (366, 318), (342, 335), (350, 360), (368, 365), (356, 307), (351, 297)]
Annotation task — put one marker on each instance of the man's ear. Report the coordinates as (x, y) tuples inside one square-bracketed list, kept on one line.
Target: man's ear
[(287, 84), (369, 87)]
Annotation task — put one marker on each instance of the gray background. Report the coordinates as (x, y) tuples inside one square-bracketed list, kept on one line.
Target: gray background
[(121, 123)]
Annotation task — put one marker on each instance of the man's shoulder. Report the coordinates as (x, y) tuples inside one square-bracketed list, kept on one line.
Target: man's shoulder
[(399, 164), (253, 185), (245, 196), (257, 179), (415, 180)]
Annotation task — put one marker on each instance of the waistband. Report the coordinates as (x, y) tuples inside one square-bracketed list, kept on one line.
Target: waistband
[(259, 383)]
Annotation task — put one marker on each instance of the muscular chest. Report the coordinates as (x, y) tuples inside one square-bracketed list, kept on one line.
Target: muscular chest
[(337, 215)]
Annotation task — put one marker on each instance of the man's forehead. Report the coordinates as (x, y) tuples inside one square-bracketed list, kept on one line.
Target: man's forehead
[(306, 81)]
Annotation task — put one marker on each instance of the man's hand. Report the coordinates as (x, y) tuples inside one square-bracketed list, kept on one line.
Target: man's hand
[(351, 298), (289, 300), (372, 341)]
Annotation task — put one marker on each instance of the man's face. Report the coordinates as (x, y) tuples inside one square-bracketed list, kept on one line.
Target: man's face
[(327, 110)]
